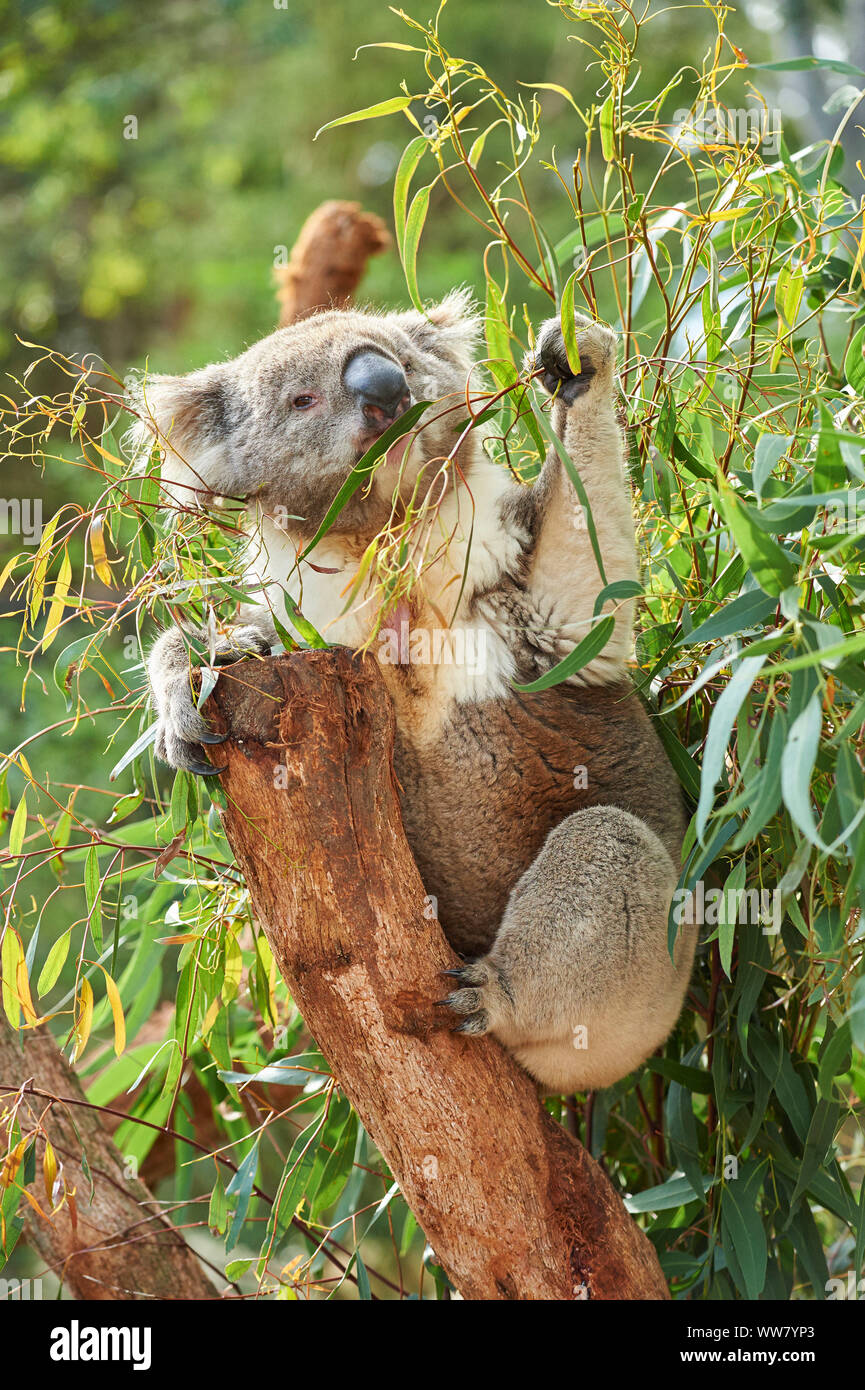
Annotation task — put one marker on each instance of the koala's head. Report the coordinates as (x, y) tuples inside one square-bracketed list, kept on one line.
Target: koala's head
[(285, 422)]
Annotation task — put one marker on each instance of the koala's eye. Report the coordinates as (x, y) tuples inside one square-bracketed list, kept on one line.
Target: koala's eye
[(407, 366), (303, 402)]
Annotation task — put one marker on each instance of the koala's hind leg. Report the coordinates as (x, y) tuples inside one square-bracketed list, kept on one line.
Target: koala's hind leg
[(181, 730), (579, 984)]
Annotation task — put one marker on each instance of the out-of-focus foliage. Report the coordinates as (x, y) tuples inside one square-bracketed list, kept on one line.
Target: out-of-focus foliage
[(732, 264)]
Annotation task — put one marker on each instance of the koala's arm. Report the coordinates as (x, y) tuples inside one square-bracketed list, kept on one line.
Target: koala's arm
[(181, 730), (564, 579)]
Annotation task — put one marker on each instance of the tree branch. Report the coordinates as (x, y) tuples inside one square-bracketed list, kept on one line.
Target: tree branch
[(513, 1206), (115, 1244), (328, 260)]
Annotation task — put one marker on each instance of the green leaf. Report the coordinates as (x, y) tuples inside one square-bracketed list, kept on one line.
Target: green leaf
[(802, 64), (615, 592), (685, 456), (605, 124), (179, 800), (797, 765), (298, 1170), (411, 241), (818, 1145), (807, 1241), (767, 452), (284, 1072), (830, 471), (742, 1229), (585, 651), (138, 747), (691, 1078), (746, 611), (665, 431), (675, 1192), (369, 113), (568, 323), (856, 1015), (835, 1058), (68, 662), (364, 467), (54, 963), (720, 726), (363, 1289), (411, 158), (771, 566), (93, 892), (241, 1186), (854, 363), (727, 914), (497, 333), (337, 1169), (682, 1131), (19, 827)]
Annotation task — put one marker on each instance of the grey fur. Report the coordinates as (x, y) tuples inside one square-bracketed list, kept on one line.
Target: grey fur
[(559, 886)]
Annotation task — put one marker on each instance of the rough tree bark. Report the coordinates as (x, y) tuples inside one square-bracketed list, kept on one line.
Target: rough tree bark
[(119, 1246), (512, 1205), (328, 259)]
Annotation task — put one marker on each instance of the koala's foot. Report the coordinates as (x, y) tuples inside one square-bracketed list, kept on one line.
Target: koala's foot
[(596, 345), (485, 999), (181, 731)]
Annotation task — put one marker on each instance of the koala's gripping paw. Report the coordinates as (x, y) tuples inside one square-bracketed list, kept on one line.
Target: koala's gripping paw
[(596, 345), (181, 730), (484, 999)]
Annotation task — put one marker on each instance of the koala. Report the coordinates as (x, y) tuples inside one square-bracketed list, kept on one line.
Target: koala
[(547, 826)]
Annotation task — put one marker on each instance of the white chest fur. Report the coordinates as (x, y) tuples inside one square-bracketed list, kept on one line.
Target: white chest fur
[(453, 652)]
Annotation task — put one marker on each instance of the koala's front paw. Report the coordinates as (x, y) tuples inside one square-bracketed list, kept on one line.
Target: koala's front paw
[(596, 345), (180, 728), (181, 731), (484, 999)]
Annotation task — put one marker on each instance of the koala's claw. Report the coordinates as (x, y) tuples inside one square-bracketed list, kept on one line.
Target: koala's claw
[(206, 769), (182, 734), (182, 753), (482, 985)]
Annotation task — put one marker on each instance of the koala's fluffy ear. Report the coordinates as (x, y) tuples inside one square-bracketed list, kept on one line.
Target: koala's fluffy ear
[(193, 417), (455, 323)]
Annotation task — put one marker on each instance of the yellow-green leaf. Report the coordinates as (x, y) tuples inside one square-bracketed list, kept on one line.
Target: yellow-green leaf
[(40, 567), (58, 601), (18, 827), (84, 1019), (11, 953), (54, 963), (569, 327), (117, 1013), (93, 890), (381, 108), (605, 120)]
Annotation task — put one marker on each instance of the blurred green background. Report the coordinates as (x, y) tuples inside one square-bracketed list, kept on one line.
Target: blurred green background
[(162, 245)]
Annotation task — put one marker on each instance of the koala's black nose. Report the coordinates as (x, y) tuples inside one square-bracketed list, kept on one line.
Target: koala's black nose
[(379, 384)]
